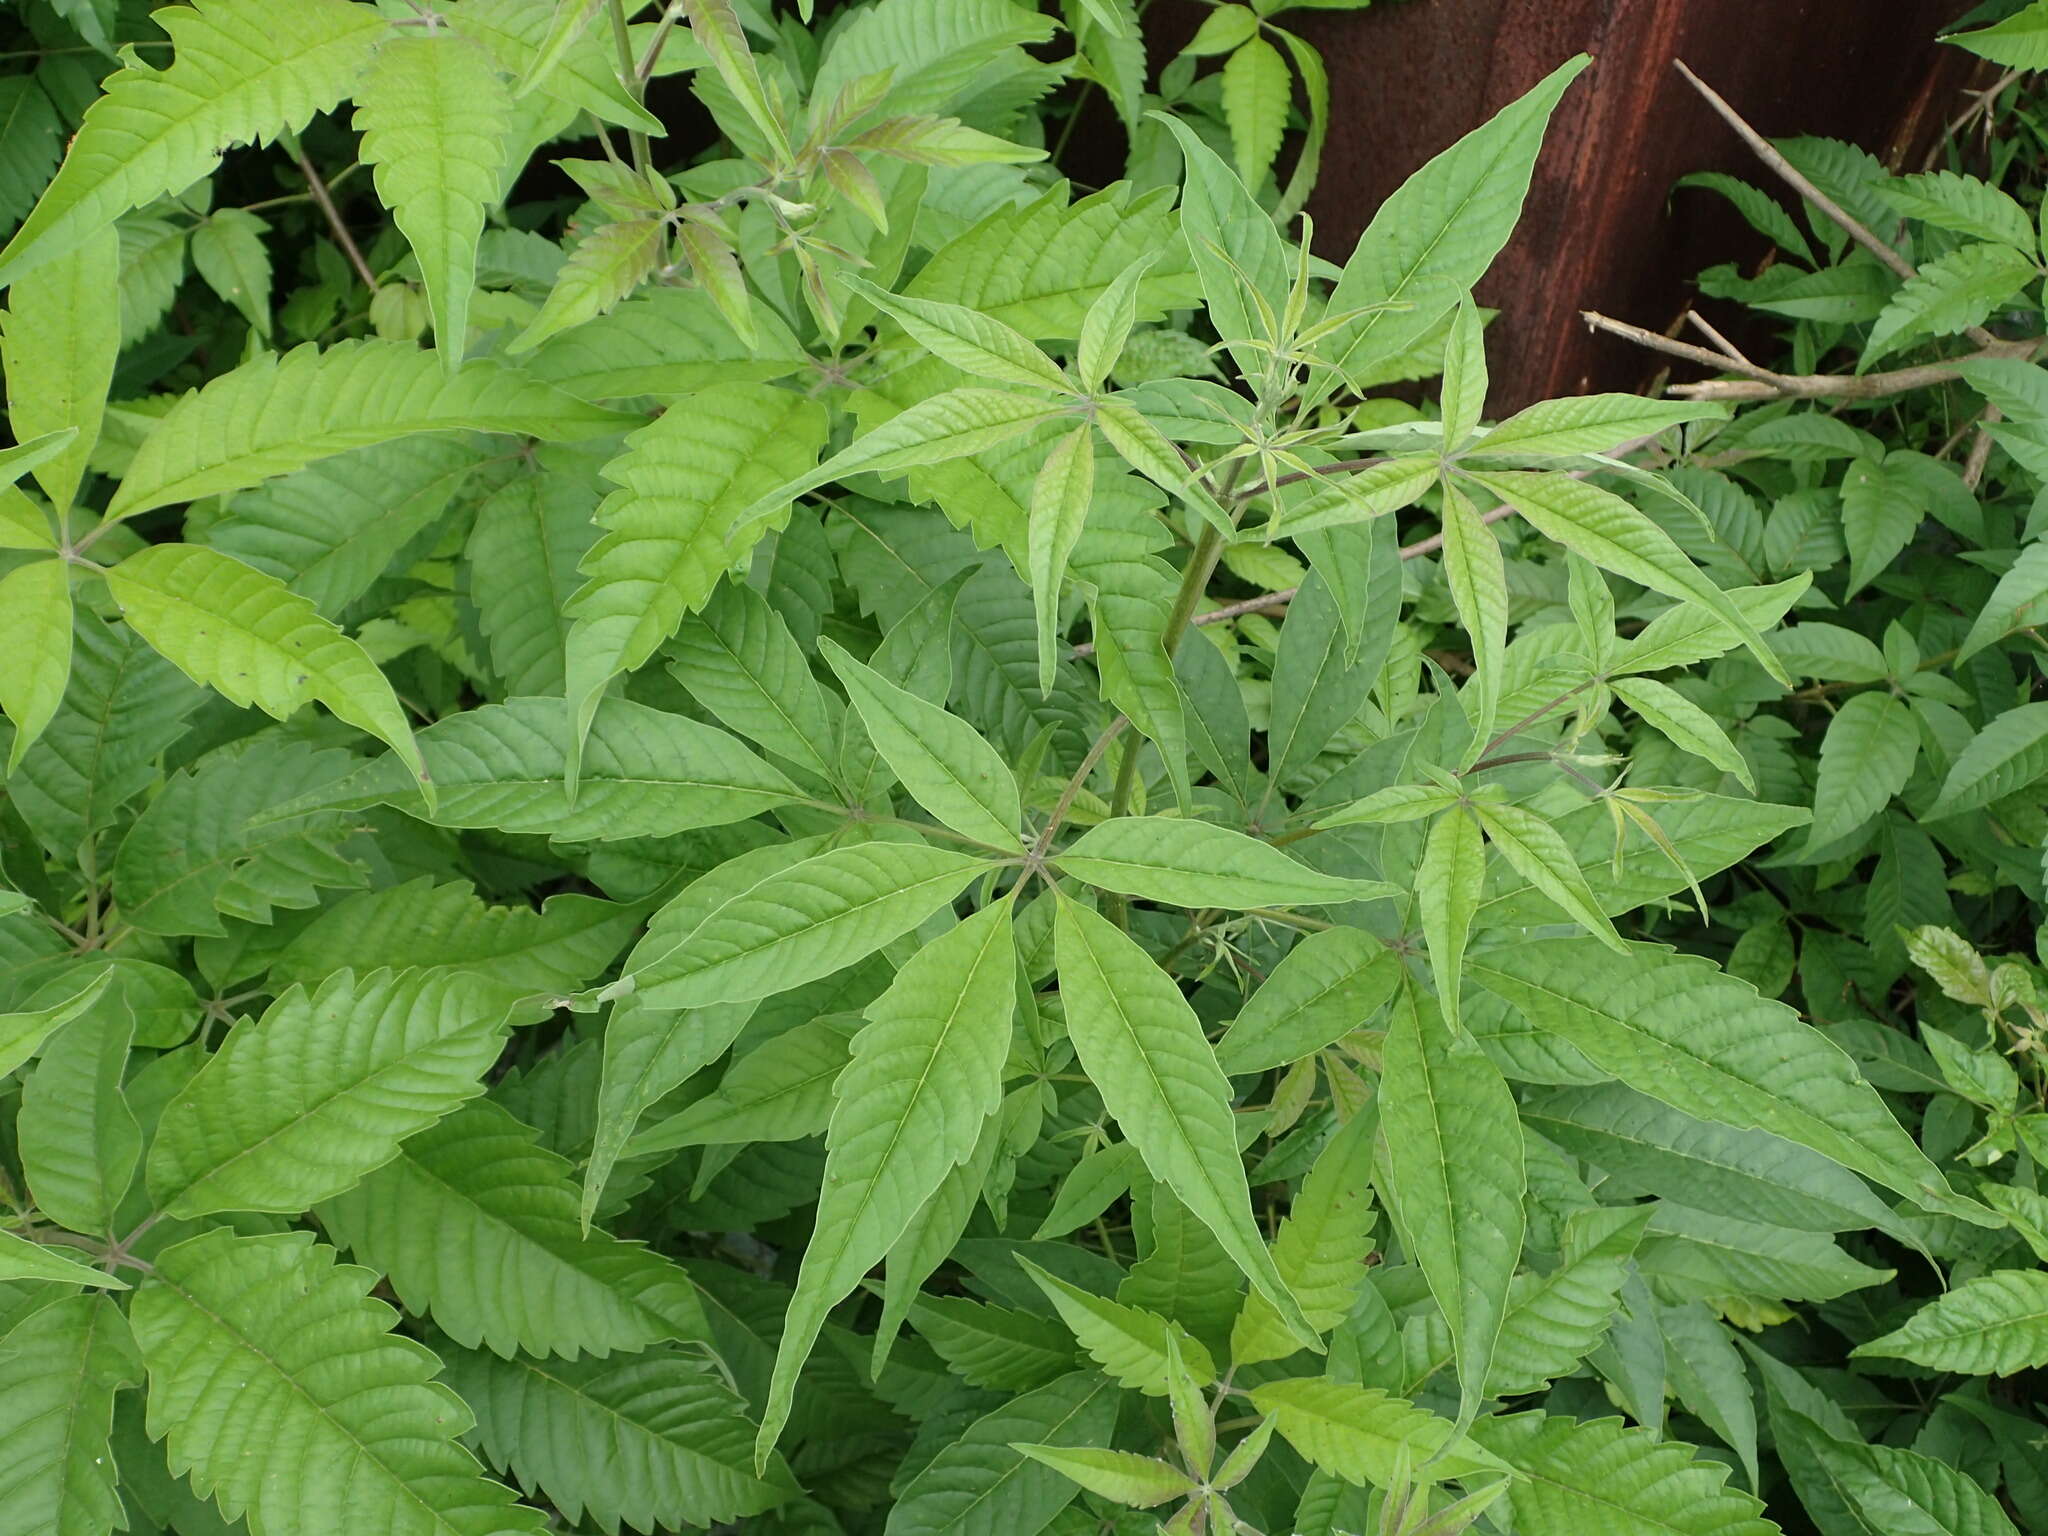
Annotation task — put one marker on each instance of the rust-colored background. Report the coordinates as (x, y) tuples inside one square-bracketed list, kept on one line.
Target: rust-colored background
[(1602, 230)]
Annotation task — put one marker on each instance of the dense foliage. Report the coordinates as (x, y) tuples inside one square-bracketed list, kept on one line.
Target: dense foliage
[(831, 870)]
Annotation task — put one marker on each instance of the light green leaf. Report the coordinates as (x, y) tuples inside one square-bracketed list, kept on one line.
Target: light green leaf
[(60, 344), (1256, 87), (1131, 1344), (1866, 757), (1684, 724), (1581, 424), (2019, 600), (1949, 294), (1541, 856), (1239, 255), (1436, 236), (2005, 757), (739, 660), (240, 72), (1356, 498), (356, 1434), (1196, 864), (35, 636), (1328, 985), (1477, 576), (655, 1440), (966, 338), (21, 1259), (436, 118), (276, 414), (1617, 537), (1449, 884), (1454, 1161), (79, 1141), (22, 1034), (1964, 204), (251, 639), (1060, 497), (1316, 1250), (779, 1091), (2020, 41), (1123, 1476), (1367, 1437), (1557, 1319), (1581, 1475), (991, 1346), (1143, 1047), (300, 1104), (947, 766), (1677, 1028), (1107, 326), (476, 1225), (801, 923), (606, 266), (59, 1371), (716, 27), (1993, 1325), (228, 251)]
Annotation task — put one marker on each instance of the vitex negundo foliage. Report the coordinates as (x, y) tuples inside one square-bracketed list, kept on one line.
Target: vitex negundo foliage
[(827, 960)]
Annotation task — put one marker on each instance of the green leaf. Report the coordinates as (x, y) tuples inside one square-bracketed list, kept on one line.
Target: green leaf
[(59, 1371), (716, 27), (1367, 1437), (1122, 1476), (947, 766), (1239, 255), (61, 341), (35, 633), (966, 338), (1995, 1325), (1684, 724), (1455, 1171), (655, 1441), (1436, 236), (1131, 1344), (1449, 884), (1316, 1250), (1764, 213), (1340, 500), (436, 118), (1196, 864), (79, 1139), (993, 1347), (799, 923), (1964, 204), (926, 1074), (1581, 1475), (1540, 855), (228, 251), (1060, 498), (2020, 41), (1106, 328), (664, 342), (300, 1104), (2020, 599), (1866, 757), (1329, 984), (273, 415), (1676, 1028), (1557, 1319), (240, 73), (477, 1226), (21, 1259), (2005, 757), (646, 773), (1143, 1048), (980, 1485), (779, 1091), (249, 638), (739, 660), (1617, 537), (356, 1435), (21, 1034), (1949, 294), (1477, 576), (606, 266), (1582, 424), (1256, 87)]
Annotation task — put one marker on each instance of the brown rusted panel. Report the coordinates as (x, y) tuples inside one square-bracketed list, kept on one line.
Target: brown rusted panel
[(1601, 230)]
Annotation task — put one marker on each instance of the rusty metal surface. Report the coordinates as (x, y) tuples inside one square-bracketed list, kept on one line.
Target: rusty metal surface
[(1601, 229)]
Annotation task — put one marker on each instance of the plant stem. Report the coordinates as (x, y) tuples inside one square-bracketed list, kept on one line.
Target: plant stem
[(629, 77), (1194, 582), (342, 237)]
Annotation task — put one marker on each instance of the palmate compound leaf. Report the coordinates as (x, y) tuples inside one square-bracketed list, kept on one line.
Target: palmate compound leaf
[(1195, 864), (59, 1371), (1681, 1030), (1360, 1433), (476, 1224), (926, 1073), (1144, 1049), (241, 71), (654, 1441), (256, 642), (1993, 1325), (436, 118), (646, 773), (285, 1396), (299, 1105), (795, 924), (673, 527), (1455, 1180), (1577, 1476), (276, 414)]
